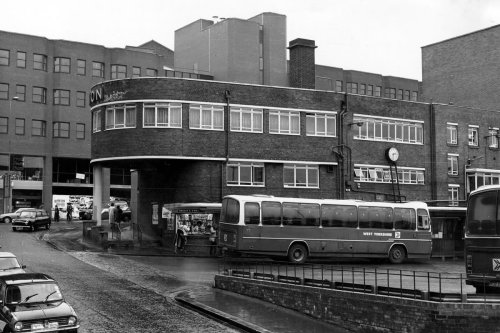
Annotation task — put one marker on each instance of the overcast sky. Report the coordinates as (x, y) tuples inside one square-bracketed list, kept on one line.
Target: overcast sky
[(378, 36)]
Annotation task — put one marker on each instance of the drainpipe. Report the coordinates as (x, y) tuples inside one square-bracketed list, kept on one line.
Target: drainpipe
[(432, 139), (343, 111), (227, 97)]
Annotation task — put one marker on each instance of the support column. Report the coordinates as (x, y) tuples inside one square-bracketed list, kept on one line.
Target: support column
[(47, 184), (101, 193), (134, 203)]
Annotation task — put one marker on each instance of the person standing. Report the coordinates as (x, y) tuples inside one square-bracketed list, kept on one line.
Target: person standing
[(118, 214), (181, 237), (112, 213), (213, 241), (56, 214), (69, 212)]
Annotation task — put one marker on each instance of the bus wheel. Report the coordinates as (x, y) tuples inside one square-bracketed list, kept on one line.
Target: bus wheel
[(297, 254), (397, 254)]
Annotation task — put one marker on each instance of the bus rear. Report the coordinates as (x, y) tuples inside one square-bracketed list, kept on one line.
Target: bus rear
[(482, 239)]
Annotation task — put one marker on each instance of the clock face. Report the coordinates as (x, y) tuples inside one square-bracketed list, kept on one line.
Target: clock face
[(393, 154)]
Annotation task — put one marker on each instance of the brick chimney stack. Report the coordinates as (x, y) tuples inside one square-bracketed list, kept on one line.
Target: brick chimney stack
[(302, 63)]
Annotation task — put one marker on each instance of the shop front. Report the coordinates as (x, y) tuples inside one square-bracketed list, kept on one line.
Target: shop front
[(195, 221)]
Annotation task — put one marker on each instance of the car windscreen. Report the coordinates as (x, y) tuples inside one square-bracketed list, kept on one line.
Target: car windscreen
[(33, 293), (9, 263), (28, 214)]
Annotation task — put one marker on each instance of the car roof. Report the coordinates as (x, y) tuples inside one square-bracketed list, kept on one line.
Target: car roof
[(22, 278), (7, 255)]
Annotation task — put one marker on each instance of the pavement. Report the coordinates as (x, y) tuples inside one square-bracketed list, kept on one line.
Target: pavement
[(243, 313)]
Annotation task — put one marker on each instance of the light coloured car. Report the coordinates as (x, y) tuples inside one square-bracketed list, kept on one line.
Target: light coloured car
[(8, 217), (9, 264)]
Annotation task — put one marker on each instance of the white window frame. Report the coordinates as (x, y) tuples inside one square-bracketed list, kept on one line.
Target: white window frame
[(174, 111), (473, 135), (96, 121), (321, 120), (493, 138), (453, 164), (451, 133), (382, 174), (215, 113), (239, 166), (389, 130), (111, 119), (237, 115), (285, 121), (453, 194), (310, 170)]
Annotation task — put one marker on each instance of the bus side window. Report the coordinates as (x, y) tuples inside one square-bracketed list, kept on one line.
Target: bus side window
[(404, 218), (271, 213), (423, 222), (252, 213)]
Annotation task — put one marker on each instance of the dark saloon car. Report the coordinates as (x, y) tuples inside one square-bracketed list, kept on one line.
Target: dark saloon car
[(32, 302), (32, 220)]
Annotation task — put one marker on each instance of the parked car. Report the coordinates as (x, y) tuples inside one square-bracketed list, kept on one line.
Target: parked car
[(85, 213), (8, 217), (33, 302), (9, 264), (32, 220)]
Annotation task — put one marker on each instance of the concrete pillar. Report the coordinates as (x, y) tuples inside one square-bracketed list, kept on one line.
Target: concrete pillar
[(47, 184), (134, 201), (101, 193)]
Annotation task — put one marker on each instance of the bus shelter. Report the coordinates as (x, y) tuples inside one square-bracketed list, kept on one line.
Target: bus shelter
[(447, 231)]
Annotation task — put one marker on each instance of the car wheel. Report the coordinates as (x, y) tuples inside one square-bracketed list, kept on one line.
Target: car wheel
[(47, 226), (14, 229), (32, 228), (7, 220)]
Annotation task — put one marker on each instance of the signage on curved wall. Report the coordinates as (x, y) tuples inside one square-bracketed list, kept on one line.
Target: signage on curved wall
[(98, 95)]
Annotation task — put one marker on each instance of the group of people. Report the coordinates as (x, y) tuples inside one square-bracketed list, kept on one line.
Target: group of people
[(181, 238), (115, 213), (69, 213)]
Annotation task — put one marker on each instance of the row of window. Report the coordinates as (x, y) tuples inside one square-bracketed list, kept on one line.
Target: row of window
[(211, 117), (330, 216), (63, 65), (39, 128), (371, 90), (39, 95), (389, 129), (472, 135), (382, 174)]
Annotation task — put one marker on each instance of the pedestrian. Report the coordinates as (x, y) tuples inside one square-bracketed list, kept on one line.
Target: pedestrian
[(181, 237), (118, 214), (213, 241), (112, 213), (56, 213), (69, 212)]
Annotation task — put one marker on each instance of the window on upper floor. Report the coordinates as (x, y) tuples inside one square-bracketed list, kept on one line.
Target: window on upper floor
[(493, 138), (362, 89), (284, 122), (150, 72), (473, 136), (246, 119), (120, 116), (301, 175), (414, 96), (321, 124), (118, 72), (4, 91), (19, 130), (81, 67), (451, 134), (378, 91), (97, 69), (389, 129), (352, 87), (338, 86), (40, 62), (407, 95), (136, 72), (245, 174), (61, 97), (453, 194), (453, 164), (390, 93), (62, 65), (162, 114), (39, 95), (38, 128), (21, 59), (21, 92), (80, 131), (60, 129), (4, 57), (382, 174), (96, 121), (206, 116), (369, 90), (80, 98), (4, 125)]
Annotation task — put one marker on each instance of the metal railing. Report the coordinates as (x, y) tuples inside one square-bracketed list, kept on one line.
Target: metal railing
[(431, 286)]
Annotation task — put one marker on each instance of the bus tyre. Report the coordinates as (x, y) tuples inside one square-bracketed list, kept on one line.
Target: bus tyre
[(397, 254), (297, 254)]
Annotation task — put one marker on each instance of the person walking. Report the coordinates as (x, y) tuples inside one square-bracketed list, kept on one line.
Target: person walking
[(69, 212), (56, 214), (213, 241), (118, 214), (181, 237)]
